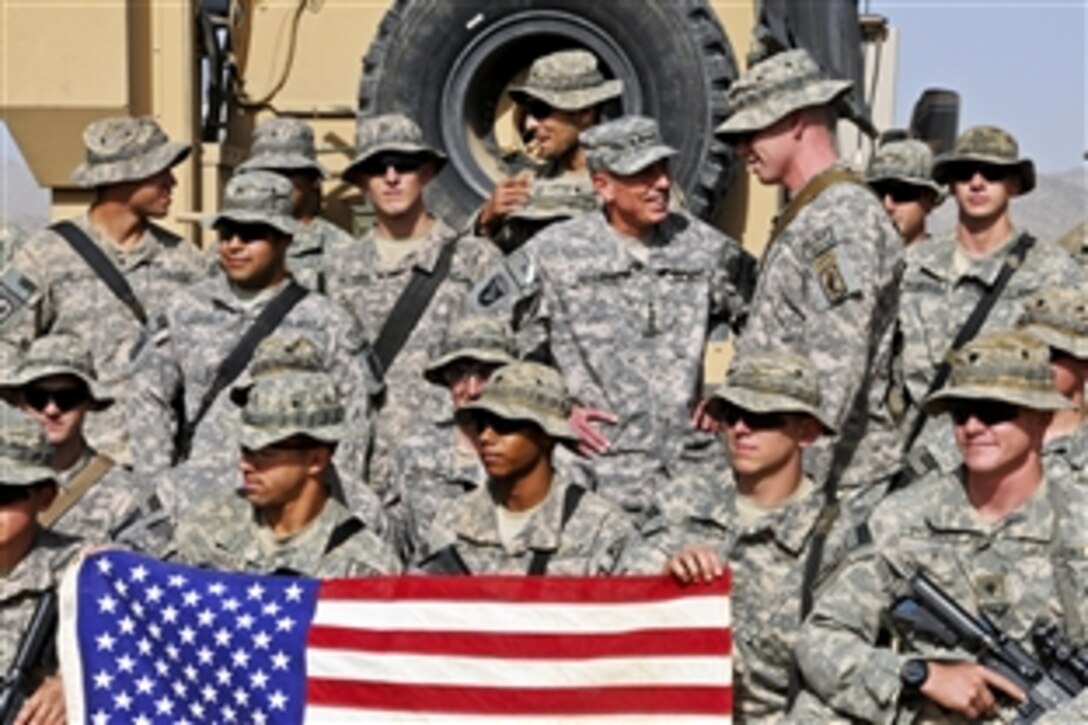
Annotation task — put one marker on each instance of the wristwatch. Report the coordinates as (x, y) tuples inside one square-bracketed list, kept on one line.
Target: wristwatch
[(913, 674)]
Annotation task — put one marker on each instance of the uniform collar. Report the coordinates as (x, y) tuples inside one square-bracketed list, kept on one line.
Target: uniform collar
[(937, 259), (425, 258), (478, 523), (954, 513), (790, 525)]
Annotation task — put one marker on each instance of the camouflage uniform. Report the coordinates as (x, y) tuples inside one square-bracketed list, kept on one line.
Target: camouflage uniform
[(550, 201), (908, 162), (1075, 241), (364, 284), (1028, 565), (228, 532), (589, 543), (828, 286), (286, 145), (49, 287), (203, 324), (936, 301)]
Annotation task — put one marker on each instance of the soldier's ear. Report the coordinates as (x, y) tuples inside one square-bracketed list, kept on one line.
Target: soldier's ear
[(808, 430), (319, 459), (602, 185)]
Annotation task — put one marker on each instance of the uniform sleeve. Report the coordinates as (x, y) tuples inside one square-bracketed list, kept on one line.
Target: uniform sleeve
[(25, 308), (349, 365), (153, 405), (732, 283)]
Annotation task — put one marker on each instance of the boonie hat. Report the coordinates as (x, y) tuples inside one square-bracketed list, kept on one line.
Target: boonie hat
[(58, 354), (624, 146), (25, 454), (1011, 366), (1059, 317), (553, 199), (484, 338), (279, 407), (257, 197), (776, 87), (909, 161), (772, 382), (569, 80), (530, 392), (283, 144), (390, 133), (986, 145), (122, 148), (274, 355)]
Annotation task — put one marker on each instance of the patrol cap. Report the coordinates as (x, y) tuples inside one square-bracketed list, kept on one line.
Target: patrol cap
[(526, 391), (25, 454), (555, 199), (58, 354), (909, 161), (986, 145), (279, 407), (390, 133), (772, 382), (274, 355), (257, 197), (569, 80), (122, 148), (283, 144), (624, 146), (1059, 317), (776, 87), (1011, 366), (482, 338)]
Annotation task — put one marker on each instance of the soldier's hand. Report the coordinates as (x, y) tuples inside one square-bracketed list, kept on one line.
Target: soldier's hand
[(966, 688), (693, 563), (45, 706), (704, 421), (509, 195), (591, 440)]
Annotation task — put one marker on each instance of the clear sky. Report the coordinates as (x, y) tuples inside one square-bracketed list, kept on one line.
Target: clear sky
[(1019, 65)]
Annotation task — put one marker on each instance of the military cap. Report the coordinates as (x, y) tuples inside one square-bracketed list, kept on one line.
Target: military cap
[(283, 144), (390, 133), (554, 199), (569, 80), (772, 382), (1011, 366), (530, 392), (274, 355), (257, 197), (776, 87), (279, 407), (624, 146), (1059, 317), (909, 161), (122, 148), (25, 454), (986, 145), (58, 354), (483, 338)]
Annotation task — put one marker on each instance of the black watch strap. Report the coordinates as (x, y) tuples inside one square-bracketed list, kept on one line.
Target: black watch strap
[(914, 674)]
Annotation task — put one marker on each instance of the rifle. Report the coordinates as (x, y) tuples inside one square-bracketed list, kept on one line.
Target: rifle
[(1050, 683), (38, 636)]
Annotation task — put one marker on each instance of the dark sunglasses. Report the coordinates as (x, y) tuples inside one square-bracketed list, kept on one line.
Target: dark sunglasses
[(899, 193), (12, 494), (732, 415), (246, 233), (401, 163), (987, 412), (966, 172), (538, 109), (481, 420), (64, 398)]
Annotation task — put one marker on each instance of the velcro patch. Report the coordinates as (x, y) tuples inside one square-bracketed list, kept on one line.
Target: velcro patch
[(16, 289)]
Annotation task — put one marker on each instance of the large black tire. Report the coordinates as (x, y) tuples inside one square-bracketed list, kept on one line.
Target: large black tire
[(447, 63)]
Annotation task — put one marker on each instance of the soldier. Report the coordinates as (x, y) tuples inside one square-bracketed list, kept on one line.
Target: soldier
[(113, 296), (562, 97), (829, 278), (282, 518), (998, 536), (56, 385), (32, 559), (900, 173), (1075, 241), (177, 412), (405, 279), (528, 519), (761, 518), (549, 201), (980, 273), (286, 146)]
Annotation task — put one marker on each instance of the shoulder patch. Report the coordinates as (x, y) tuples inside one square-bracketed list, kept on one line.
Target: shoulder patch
[(834, 271), (16, 290)]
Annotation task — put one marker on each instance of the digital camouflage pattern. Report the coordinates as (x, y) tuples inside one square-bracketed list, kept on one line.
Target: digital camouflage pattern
[(112, 504), (57, 354), (556, 200), (909, 161), (527, 391), (986, 145), (569, 80), (257, 197), (1059, 317), (775, 382), (473, 338), (1075, 241), (310, 256), (589, 545), (1029, 565), (389, 133), (121, 148), (283, 144), (624, 146)]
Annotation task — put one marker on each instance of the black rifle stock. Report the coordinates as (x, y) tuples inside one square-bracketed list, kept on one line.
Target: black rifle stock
[(38, 635)]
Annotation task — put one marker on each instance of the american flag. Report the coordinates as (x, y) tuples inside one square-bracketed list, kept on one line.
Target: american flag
[(146, 642)]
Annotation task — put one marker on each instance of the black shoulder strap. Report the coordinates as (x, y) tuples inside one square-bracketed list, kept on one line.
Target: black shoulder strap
[(538, 565), (1013, 261), (409, 307), (233, 365), (447, 562), (343, 531), (97, 260)]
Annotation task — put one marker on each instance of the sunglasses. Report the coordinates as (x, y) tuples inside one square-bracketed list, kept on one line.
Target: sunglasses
[(538, 109), (479, 421), (899, 193), (966, 172), (12, 494), (64, 398), (246, 233), (401, 163), (732, 415), (986, 412)]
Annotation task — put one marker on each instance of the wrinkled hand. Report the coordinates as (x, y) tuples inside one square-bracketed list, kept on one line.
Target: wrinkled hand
[(45, 706), (591, 440), (704, 421), (508, 196), (693, 563), (966, 688)]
